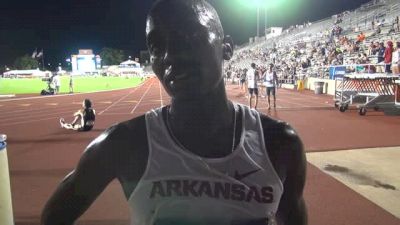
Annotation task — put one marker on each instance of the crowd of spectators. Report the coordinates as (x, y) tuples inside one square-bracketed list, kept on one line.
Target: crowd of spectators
[(370, 51)]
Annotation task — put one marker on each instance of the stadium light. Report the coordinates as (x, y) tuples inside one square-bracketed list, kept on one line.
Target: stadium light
[(258, 4), (261, 3)]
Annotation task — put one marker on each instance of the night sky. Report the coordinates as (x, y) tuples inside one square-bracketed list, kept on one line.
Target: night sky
[(61, 27)]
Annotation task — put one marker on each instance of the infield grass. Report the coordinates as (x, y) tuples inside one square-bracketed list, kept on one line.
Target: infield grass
[(81, 84)]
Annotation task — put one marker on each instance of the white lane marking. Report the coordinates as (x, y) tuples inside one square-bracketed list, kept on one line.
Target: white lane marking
[(119, 100), (25, 105), (133, 101), (113, 114), (141, 99)]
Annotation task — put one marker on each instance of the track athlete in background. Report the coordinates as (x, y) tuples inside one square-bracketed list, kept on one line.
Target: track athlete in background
[(271, 84), (252, 78), (83, 119), (202, 159)]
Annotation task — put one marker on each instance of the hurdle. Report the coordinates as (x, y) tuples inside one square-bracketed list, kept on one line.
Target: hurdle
[(6, 212), (368, 90)]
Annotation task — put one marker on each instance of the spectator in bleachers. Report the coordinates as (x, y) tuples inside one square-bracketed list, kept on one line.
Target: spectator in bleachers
[(372, 48), (381, 52), (392, 29), (397, 22), (360, 37), (388, 56), (377, 31)]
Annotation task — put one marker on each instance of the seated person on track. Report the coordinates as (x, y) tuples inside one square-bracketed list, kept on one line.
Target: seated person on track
[(84, 118), (202, 160)]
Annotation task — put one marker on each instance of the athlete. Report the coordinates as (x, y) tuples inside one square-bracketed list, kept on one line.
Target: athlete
[(271, 83), (252, 78), (200, 160), (83, 118)]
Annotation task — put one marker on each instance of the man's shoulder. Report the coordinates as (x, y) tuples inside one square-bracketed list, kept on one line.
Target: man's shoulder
[(127, 135), (128, 129), (284, 146), (280, 133)]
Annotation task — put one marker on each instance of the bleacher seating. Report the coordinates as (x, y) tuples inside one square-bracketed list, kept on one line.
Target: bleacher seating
[(296, 46)]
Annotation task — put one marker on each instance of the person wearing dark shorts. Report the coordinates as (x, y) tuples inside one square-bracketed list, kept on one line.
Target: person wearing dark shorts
[(271, 83), (83, 118), (201, 159), (242, 79), (271, 90), (252, 78)]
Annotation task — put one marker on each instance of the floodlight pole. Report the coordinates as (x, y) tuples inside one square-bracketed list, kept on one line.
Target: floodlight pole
[(265, 22), (258, 20)]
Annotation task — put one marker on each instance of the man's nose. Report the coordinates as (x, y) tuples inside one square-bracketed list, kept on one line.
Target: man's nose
[(176, 53)]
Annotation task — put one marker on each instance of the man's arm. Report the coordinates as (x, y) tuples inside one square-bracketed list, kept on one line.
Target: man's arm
[(276, 79), (292, 209), (96, 169), (287, 155)]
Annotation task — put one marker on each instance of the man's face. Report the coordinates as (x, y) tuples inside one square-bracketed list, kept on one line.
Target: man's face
[(185, 41)]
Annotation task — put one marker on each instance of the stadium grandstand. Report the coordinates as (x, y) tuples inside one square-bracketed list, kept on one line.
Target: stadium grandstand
[(349, 39)]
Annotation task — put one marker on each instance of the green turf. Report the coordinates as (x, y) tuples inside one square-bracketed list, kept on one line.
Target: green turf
[(81, 84)]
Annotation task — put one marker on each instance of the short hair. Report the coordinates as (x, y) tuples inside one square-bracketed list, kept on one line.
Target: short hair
[(253, 65), (87, 103)]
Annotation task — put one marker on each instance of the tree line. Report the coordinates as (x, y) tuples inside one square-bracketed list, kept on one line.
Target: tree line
[(109, 56)]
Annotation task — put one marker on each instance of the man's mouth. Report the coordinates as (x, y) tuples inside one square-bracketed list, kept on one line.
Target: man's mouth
[(173, 76)]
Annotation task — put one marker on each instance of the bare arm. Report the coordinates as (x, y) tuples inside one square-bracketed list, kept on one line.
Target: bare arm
[(287, 155), (292, 209), (276, 81), (81, 187)]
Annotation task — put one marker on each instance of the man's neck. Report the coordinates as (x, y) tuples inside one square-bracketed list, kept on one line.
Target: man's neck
[(211, 110), (204, 126)]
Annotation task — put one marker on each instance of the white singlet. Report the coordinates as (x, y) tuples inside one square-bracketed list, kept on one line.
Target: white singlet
[(179, 187), (251, 78), (269, 79)]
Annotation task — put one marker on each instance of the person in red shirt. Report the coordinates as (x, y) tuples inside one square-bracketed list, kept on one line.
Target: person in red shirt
[(388, 56), (361, 37)]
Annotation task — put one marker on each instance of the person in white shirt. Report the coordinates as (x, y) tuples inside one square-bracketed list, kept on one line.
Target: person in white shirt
[(252, 78), (57, 83), (271, 83)]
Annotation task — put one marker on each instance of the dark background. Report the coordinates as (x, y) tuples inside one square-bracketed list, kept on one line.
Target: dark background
[(61, 27)]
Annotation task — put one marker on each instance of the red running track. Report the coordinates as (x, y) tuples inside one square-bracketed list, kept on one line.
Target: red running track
[(41, 153)]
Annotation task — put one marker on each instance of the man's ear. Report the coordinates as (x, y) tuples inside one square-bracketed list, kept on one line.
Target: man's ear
[(228, 47)]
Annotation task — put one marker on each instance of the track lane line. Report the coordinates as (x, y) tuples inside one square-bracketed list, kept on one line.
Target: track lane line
[(122, 98), (141, 99)]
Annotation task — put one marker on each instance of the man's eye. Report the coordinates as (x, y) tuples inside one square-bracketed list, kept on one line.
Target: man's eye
[(155, 50)]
